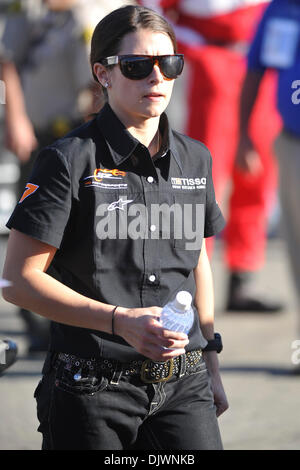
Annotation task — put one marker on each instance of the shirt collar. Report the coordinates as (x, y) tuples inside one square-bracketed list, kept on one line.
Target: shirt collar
[(168, 141), (122, 144)]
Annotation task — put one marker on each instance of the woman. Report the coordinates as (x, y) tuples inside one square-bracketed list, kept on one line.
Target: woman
[(103, 207)]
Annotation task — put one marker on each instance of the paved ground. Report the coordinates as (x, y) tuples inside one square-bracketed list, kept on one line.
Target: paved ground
[(256, 364)]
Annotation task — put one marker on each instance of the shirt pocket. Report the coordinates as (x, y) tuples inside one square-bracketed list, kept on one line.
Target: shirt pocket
[(117, 245), (189, 220), (114, 211)]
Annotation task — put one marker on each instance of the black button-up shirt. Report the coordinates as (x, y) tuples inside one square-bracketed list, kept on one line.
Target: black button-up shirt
[(128, 227)]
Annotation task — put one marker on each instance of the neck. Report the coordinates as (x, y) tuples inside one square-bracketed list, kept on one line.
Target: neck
[(144, 130), (149, 136)]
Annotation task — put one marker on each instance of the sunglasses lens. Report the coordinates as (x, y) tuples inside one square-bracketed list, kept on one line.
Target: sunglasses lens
[(136, 68), (171, 66)]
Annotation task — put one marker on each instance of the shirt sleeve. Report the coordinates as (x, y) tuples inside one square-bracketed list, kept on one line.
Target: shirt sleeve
[(44, 208), (214, 220)]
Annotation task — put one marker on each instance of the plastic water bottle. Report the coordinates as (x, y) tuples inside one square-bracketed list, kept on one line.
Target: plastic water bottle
[(178, 315)]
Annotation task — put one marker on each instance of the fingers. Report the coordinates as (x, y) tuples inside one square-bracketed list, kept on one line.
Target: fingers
[(142, 329), (173, 343), (160, 349), (167, 338), (221, 408), (158, 353), (155, 343), (220, 398), (174, 335)]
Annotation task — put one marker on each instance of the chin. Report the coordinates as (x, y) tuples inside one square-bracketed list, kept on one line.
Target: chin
[(154, 114), (154, 111)]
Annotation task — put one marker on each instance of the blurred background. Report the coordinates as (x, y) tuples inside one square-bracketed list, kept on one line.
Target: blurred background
[(44, 52)]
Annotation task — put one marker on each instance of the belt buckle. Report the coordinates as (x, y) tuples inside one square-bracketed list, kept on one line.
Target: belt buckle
[(145, 368)]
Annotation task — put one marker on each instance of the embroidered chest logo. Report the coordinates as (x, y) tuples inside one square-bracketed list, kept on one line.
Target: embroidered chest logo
[(105, 178), (100, 174), (119, 204), (188, 183)]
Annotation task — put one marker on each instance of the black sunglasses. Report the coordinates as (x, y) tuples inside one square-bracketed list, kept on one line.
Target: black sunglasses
[(137, 67)]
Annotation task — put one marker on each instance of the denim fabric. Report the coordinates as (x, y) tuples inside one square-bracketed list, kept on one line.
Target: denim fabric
[(98, 412)]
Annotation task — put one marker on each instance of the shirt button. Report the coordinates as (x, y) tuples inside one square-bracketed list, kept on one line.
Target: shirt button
[(152, 278), (152, 228), (150, 179)]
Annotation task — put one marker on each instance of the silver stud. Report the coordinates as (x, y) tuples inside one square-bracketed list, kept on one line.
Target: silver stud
[(77, 376)]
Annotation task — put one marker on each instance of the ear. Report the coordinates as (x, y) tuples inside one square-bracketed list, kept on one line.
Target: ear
[(101, 73)]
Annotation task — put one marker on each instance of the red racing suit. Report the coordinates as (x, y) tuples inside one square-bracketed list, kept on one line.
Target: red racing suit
[(214, 36)]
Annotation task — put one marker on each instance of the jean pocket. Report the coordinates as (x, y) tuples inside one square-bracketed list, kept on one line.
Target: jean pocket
[(200, 368), (79, 382)]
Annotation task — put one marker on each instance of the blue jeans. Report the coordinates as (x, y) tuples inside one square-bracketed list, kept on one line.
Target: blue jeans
[(97, 413)]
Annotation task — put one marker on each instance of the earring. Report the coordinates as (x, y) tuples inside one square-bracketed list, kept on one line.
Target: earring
[(106, 85)]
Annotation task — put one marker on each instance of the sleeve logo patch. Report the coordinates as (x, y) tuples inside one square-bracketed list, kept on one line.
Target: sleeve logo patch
[(30, 189)]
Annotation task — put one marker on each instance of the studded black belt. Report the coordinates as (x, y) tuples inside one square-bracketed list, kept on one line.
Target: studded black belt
[(149, 371)]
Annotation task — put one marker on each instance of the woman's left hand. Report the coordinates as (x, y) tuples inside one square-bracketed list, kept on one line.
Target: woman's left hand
[(212, 364), (220, 398)]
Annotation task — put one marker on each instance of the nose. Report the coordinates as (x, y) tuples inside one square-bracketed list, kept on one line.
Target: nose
[(156, 76)]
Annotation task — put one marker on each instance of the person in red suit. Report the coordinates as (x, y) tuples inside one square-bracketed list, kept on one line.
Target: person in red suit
[(214, 37)]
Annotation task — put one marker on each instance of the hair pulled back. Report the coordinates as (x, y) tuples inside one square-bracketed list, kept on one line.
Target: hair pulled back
[(110, 31)]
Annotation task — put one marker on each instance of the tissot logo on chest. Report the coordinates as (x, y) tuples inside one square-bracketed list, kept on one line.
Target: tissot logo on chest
[(188, 183)]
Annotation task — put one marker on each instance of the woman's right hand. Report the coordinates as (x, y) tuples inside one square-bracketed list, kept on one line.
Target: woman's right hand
[(141, 328)]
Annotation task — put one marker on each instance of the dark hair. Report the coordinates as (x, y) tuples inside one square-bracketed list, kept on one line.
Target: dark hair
[(110, 31)]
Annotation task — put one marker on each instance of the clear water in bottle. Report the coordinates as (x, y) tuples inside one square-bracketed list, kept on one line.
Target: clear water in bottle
[(178, 315)]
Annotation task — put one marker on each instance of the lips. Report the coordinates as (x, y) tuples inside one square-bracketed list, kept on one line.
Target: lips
[(154, 95)]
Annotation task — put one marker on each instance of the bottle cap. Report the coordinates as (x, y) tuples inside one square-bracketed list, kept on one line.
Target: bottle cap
[(183, 300)]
